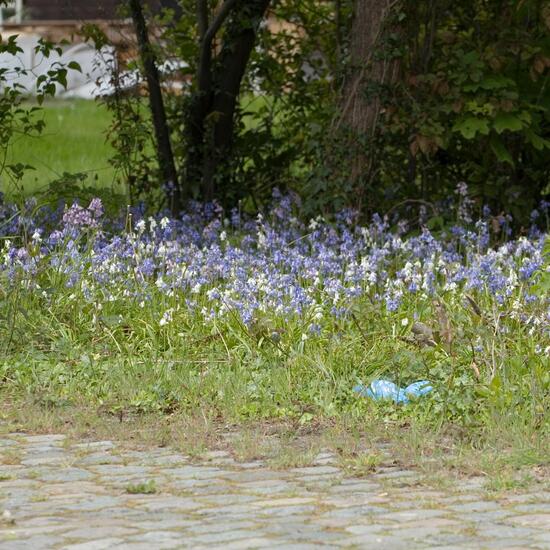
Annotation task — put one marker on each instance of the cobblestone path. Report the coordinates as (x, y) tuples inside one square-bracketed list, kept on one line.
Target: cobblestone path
[(92, 496)]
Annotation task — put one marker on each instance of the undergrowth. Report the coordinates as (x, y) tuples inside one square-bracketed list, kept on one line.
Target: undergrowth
[(274, 320)]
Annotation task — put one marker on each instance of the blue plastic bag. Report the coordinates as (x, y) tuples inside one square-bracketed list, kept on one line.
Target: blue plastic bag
[(385, 389)]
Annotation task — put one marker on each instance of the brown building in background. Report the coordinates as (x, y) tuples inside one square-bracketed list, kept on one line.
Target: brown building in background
[(78, 10), (59, 10)]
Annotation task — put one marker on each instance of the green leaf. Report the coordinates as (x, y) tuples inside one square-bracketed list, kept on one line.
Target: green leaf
[(470, 126), (507, 121), (496, 82), (435, 222), (75, 66), (496, 384), (500, 151), (536, 141)]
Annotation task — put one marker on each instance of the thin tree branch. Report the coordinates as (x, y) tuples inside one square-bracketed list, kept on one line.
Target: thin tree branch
[(218, 21), (162, 133), (202, 17), (205, 59), (338, 25)]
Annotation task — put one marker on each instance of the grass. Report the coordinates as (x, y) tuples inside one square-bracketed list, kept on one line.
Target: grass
[(109, 367), (74, 141), (118, 366), (442, 458), (361, 464), (142, 488)]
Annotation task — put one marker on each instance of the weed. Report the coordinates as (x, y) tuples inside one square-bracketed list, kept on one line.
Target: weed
[(11, 456), (143, 488), (289, 454), (361, 464)]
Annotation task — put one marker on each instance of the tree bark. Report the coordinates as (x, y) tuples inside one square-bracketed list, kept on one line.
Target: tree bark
[(156, 104), (372, 71), (212, 110)]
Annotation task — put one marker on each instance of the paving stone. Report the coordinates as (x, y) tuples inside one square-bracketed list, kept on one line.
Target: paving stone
[(227, 498), (158, 539), (74, 497), (213, 455), (251, 465), (416, 515), (396, 474), (536, 496), (85, 505), (165, 460), (268, 487), (233, 510), (384, 542), (484, 517), (100, 544), (44, 459), (509, 544), (324, 459), (49, 438), (98, 459), (443, 524), (39, 542), (167, 503), (94, 445), (455, 540), (333, 523), (196, 472), (301, 531), (284, 502), (27, 532), (45, 447), (294, 546), (354, 512), (316, 470), (533, 507), (121, 470), (473, 483), (73, 488), (247, 476), (366, 529), (99, 532), (475, 506), (350, 488), (420, 533), (200, 488), (219, 527), (419, 494), (320, 480), (65, 475), (285, 511), (255, 542), (541, 521), (224, 536), (504, 532)]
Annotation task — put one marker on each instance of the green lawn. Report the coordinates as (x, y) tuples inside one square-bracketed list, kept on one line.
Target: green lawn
[(74, 140)]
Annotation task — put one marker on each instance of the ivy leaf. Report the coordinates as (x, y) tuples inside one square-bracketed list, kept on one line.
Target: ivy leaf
[(507, 121), (500, 150), (470, 126)]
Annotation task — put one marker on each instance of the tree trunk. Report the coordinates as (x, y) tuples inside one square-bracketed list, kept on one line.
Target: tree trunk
[(156, 104), (373, 70), (212, 110)]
